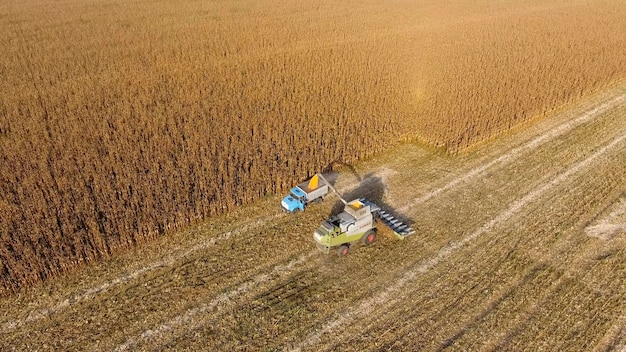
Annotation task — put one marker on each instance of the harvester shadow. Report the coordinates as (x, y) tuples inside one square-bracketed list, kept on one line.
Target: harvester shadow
[(374, 189)]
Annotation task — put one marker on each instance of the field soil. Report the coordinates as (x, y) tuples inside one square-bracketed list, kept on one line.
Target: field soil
[(520, 244)]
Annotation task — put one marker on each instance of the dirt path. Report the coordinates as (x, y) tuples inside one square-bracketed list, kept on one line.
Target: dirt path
[(520, 245)]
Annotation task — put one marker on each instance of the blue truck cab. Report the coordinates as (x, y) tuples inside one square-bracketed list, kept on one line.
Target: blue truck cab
[(295, 201)]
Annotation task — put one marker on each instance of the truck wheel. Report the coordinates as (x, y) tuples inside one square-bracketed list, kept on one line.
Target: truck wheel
[(343, 250), (319, 200), (369, 237)]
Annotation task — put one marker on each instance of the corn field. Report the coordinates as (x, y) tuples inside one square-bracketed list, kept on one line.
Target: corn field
[(121, 121)]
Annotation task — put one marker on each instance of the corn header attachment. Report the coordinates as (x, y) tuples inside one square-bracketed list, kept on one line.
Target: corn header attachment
[(399, 228)]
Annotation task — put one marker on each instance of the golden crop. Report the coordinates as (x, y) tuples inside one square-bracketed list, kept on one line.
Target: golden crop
[(121, 120)]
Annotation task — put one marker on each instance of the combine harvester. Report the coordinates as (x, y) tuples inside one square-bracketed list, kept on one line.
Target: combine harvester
[(356, 223)]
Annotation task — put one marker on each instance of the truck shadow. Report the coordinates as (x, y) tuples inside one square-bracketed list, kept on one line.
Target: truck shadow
[(372, 188)]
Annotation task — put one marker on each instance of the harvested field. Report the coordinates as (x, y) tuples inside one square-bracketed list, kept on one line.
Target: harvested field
[(501, 260), (122, 121)]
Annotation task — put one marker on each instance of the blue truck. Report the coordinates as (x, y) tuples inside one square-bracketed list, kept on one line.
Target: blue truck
[(303, 194)]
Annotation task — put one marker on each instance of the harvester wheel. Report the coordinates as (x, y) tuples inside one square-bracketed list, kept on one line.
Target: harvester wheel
[(369, 237), (343, 250)]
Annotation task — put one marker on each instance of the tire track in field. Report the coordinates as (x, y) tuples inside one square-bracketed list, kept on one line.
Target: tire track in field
[(611, 225), (582, 262), (508, 157), (94, 291), (516, 152), (386, 296), (615, 338), (476, 322), (471, 291), (554, 324), (125, 278), (221, 302)]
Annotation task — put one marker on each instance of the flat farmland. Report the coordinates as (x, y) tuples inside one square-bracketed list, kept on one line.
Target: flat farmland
[(520, 244), (122, 122)]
